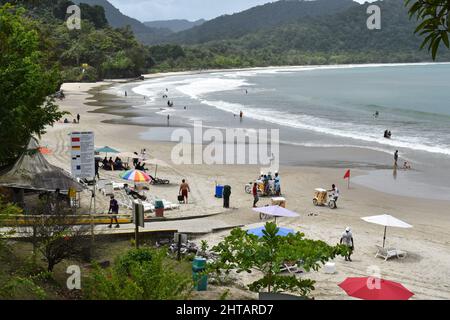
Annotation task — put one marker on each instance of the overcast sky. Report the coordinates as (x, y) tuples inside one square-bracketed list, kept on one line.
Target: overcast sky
[(149, 10)]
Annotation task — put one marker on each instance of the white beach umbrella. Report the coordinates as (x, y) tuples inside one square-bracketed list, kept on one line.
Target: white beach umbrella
[(387, 221)]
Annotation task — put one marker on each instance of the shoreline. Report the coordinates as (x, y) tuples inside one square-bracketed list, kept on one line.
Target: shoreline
[(427, 243), (367, 158)]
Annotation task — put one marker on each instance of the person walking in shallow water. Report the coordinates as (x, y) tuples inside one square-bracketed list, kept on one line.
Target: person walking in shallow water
[(396, 159)]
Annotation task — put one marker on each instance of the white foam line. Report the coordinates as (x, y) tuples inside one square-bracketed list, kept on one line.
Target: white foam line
[(289, 120)]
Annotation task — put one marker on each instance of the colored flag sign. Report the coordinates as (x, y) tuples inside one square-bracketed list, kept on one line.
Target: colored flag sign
[(83, 154), (347, 175)]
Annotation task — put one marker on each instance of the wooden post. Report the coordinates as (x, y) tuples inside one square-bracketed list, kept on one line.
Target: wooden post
[(136, 234), (179, 247)]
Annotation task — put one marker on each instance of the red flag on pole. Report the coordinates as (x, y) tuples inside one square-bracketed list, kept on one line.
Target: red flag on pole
[(347, 175)]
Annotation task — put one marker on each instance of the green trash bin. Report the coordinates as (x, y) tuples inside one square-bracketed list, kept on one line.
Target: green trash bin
[(159, 208), (200, 280)]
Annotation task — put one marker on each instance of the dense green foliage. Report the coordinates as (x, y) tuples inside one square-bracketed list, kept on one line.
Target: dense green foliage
[(28, 77), (243, 252), (435, 22), (339, 37), (140, 274), (258, 19), (175, 25), (95, 52)]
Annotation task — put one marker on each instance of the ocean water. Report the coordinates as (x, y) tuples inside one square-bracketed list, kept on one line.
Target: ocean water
[(318, 107)]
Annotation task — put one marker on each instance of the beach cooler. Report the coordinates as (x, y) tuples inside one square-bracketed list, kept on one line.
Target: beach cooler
[(279, 201), (330, 268), (219, 191)]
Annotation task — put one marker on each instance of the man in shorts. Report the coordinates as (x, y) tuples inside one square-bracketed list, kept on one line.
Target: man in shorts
[(347, 239), (184, 190)]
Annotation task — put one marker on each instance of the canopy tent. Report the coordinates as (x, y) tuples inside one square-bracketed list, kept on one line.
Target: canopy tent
[(387, 221), (106, 150), (33, 172)]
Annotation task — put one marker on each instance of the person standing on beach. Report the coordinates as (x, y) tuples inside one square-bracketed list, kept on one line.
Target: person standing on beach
[(255, 194), (396, 158), (347, 239), (113, 209), (184, 190), (78, 118), (97, 166), (334, 193), (277, 184)]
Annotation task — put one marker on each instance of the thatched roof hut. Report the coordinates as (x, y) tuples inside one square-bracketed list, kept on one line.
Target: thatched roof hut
[(33, 172)]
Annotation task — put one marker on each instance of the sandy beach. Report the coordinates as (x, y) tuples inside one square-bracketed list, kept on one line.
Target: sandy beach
[(425, 271)]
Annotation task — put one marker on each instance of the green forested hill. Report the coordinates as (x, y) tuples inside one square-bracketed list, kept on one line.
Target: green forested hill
[(334, 38), (175, 25), (259, 18), (279, 33), (95, 52), (117, 19)]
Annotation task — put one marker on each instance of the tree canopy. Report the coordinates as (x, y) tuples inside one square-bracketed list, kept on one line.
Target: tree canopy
[(245, 252), (434, 18), (28, 79)]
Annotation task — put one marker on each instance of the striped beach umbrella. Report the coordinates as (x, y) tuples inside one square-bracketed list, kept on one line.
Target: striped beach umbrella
[(135, 176)]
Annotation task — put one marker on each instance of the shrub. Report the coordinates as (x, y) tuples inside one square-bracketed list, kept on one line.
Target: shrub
[(140, 274)]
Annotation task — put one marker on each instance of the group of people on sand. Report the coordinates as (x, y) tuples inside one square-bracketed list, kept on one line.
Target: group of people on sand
[(76, 120), (265, 180), (111, 165)]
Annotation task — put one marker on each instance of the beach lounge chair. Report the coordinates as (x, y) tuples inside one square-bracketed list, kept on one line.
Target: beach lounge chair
[(291, 267), (156, 181), (387, 253)]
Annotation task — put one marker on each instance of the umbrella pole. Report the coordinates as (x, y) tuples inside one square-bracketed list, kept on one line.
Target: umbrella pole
[(156, 170), (384, 237)]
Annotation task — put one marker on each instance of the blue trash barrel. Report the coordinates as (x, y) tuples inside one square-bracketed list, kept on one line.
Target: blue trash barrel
[(219, 191)]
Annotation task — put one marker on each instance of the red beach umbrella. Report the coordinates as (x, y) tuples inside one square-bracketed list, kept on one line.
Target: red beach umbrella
[(372, 288), (44, 150)]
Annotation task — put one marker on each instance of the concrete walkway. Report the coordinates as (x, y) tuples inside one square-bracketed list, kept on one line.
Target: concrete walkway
[(227, 220)]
